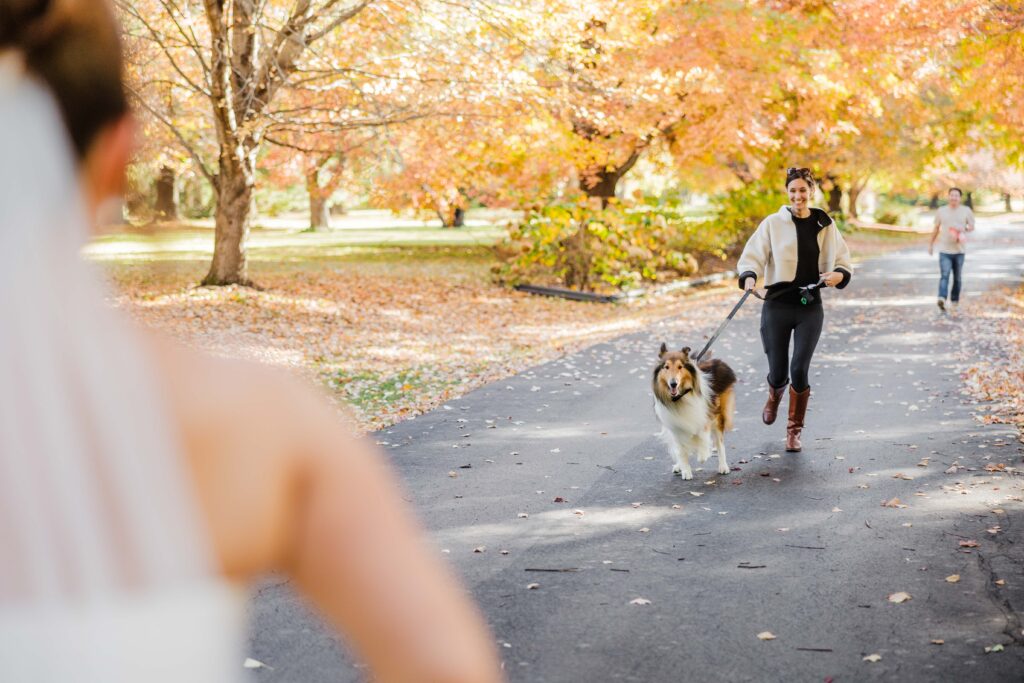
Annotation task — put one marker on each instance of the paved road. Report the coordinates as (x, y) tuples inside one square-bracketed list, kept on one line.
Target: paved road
[(798, 545)]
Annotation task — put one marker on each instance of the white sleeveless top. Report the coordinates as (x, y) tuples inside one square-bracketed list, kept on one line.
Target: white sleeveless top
[(195, 634)]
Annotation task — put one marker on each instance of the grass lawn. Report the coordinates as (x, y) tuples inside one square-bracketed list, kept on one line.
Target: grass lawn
[(392, 320)]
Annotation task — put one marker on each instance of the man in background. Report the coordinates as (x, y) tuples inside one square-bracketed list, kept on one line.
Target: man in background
[(952, 223)]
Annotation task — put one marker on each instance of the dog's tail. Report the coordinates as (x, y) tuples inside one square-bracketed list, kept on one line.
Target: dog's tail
[(726, 408)]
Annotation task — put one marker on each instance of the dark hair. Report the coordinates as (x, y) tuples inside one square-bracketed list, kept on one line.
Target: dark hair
[(73, 46), (957, 190), (792, 173)]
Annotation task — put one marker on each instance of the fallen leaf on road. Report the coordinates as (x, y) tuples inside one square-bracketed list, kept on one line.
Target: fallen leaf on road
[(899, 597), (1000, 582), (639, 601), (873, 658), (952, 469), (952, 578), (532, 586), (578, 513), (453, 474), (645, 530), (766, 635), (677, 507), (893, 503), (969, 544), (251, 663), (480, 549), (994, 530), (523, 515), (938, 641), (837, 509), (559, 499), (994, 648), (696, 493), (902, 476)]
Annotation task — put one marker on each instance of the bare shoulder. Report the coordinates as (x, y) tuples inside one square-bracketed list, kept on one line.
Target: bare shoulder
[(247, 432), (204, 388)]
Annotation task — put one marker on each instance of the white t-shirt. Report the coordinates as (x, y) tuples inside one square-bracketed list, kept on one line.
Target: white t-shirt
[(953, 225)]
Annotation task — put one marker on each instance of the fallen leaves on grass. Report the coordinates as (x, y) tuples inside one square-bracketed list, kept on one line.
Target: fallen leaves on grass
[(391, 334)]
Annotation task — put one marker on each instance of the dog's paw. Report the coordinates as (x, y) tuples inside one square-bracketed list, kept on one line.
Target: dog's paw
[(677, 470), (723, 469), (687, 476)]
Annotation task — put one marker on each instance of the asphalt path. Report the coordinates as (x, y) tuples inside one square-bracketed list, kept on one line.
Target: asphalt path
[(551, 495)]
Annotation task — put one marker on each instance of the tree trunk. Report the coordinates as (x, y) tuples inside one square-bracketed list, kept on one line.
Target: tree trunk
[(451, 216), (601, 184), (319, 207), (835, 198), (319, 213), (1008, 205), (166, 194), (233, 218), (934, 203), (851, 200), (969, 202)]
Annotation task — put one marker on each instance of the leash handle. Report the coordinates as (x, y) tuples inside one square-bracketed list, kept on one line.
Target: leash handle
[(722, 326)]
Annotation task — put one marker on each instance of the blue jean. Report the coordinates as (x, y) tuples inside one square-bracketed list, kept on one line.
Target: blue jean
[(947, 263)]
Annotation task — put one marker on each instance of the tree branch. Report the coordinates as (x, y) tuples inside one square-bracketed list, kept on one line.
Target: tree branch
[(177, 134)]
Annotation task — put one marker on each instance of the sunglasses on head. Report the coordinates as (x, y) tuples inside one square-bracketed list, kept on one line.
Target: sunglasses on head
[(793, 170)]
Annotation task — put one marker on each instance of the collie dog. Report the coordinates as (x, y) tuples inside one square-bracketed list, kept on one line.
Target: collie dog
[(694, 403)]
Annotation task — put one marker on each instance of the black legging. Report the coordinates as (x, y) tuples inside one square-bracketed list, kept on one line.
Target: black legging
[(778, 321)]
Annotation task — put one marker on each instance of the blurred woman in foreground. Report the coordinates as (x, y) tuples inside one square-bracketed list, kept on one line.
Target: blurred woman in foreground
[(140, 483)]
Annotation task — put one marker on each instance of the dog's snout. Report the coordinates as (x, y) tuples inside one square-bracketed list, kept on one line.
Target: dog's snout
[(673, 384)]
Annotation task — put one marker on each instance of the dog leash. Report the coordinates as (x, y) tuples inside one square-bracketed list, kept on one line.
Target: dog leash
[(722, 326), (739, 304)]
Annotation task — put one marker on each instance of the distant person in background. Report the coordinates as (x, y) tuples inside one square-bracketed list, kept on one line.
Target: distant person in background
[(952, 223), (142, 484)]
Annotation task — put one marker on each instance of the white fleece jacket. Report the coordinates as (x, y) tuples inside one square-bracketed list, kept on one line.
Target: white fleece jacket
[(771, 252)]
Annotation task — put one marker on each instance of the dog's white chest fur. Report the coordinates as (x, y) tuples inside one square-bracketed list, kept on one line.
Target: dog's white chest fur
[(689, 415), (689, 427)]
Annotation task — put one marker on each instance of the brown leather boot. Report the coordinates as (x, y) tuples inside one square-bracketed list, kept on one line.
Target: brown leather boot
[(797, 410), (771, 408)]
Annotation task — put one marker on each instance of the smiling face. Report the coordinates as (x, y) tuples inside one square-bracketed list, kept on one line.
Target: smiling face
[(800, 193), (954, 198)]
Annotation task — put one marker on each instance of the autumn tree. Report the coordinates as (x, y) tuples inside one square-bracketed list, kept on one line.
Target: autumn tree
[(237, 56)]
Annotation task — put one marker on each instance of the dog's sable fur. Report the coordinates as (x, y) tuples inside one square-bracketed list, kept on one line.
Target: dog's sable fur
[(694, 403)]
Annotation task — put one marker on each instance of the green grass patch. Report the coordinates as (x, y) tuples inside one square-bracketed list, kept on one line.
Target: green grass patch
[(375, 393), (177, 242)]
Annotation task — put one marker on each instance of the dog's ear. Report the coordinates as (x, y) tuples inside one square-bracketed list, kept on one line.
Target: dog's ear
[(686, 351), (664, 350)]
